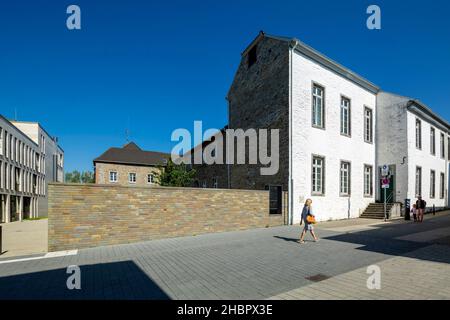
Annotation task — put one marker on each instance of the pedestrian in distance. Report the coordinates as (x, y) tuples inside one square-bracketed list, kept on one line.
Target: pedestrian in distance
[(414, 212), (420, 205), (308, 219)]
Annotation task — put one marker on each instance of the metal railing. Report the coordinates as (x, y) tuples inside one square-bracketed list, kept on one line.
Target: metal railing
[(386, 201)]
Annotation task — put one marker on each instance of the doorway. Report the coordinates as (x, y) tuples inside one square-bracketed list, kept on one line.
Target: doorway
[(26, 207), (275, 200)]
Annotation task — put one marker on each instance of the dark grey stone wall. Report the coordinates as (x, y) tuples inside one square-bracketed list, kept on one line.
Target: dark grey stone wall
[(259, 98)]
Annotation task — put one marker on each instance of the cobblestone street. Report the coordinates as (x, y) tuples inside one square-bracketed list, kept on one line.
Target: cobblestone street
[(257, 264)]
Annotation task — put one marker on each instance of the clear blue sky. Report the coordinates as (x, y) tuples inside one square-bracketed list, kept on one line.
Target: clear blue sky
[(154, 66)]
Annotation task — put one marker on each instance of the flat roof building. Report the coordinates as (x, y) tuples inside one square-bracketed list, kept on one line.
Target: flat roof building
[(29, 159)]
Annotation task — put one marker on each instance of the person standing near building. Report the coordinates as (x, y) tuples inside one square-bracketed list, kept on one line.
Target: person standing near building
[(420, 206), (307, 211)]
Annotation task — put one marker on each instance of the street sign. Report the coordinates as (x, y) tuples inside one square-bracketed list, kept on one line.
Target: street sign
[(385, 170), (385, 182)]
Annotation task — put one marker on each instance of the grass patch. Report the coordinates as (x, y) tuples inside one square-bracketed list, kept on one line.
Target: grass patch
[(34, 219)]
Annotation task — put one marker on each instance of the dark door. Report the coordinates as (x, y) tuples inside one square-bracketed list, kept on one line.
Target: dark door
[(275, 203)]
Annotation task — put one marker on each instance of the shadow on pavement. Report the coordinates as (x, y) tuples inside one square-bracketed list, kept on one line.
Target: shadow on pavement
[(116, 280), (383, 239)]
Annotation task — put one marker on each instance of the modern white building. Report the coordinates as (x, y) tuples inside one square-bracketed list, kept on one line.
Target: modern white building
[(29, 159)]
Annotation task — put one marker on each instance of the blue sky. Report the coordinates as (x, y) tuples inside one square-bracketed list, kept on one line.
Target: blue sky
[(154, 66)]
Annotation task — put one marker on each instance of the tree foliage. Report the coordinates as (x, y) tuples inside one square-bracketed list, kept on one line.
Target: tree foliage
[(80, 177), (174, 175)]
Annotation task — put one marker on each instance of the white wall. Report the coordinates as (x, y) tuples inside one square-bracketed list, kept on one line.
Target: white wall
[(329, 143), (423, 158)]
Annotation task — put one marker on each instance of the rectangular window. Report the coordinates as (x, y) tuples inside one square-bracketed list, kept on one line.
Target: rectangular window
[(442, 186), (345, 178), (368, 181), (150, 178), (442, 146), (368, 125), (112, 176), (418, 181), (252, 56), (418, 134), (432, 184), (1, 141), (215, 182), (318, 107), (318, 176), (432, 142), (132, 177), (448, 148), (345, 116)]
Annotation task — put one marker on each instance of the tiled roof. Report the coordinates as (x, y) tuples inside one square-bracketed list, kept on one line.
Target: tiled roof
[(132, 154)]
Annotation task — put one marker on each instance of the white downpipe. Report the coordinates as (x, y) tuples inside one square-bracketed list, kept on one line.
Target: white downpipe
[(293, 45)]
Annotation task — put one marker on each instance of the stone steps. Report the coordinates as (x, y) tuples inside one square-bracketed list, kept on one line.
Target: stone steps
[(376, 211)]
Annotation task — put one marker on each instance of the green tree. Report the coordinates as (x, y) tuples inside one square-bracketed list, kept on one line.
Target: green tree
[(79, 177), (87, 177), (73, 177), (174, 175)]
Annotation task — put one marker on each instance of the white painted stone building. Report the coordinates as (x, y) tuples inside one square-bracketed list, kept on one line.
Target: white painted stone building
[(336, 130), (414, 142), (330, 151)]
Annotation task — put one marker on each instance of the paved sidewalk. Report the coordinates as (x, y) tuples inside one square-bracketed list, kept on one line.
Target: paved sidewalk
[(401, 278), (253, 264), (24, 238)]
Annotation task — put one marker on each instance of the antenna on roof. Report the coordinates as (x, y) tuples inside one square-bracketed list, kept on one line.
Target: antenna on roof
[(127, 135), (15, 114), (127, 131)]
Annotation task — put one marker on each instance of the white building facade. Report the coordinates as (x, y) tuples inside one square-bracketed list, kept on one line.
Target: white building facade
[(332, 137), (414, 142), (337, 130)]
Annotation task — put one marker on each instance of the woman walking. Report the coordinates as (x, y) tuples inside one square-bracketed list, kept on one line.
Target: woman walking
[(306, 216)]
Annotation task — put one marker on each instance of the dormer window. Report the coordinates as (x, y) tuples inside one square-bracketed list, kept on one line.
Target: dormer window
[(251, 57)]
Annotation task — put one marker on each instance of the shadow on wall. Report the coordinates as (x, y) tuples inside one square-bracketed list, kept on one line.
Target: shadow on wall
[(118, 280)]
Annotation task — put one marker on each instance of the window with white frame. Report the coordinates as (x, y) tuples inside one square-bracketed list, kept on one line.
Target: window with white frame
[(318, 106), (368, 125), (418, 181), (1, 141), (150, 178), (448, 148), (345, 178), (418, 134), (345, 116), (442, 146), (318, 176), (132, 177), (368, 181), (113, 176), (442, 186), (432, 141), (432, 184)]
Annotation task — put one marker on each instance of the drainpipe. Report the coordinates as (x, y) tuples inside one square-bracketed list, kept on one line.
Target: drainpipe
[(226, 147), (292, 47)]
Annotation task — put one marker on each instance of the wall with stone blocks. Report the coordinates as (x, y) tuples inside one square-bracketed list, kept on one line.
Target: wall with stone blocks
[(82, 216)]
